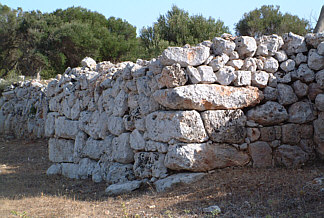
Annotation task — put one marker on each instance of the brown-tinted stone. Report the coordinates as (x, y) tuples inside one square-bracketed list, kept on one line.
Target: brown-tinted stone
[(261, 154), (290, 133)]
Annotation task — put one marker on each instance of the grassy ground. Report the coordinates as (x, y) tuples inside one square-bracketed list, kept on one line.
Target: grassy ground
[(26, 191)]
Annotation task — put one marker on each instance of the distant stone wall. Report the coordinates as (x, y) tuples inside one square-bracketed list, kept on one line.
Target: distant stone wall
[(23, 110), (235, 101)]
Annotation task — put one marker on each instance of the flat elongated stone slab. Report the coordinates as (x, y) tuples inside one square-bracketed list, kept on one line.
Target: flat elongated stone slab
[(208, 97)]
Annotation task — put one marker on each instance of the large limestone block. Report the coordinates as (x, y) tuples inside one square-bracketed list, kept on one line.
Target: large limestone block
[(227, 126), (294, 43), (95, 148), (119, 173), (202, 74), (185, 56), (270, 113), (315, 61), (208, 97), (50, 124), (65, 128), (269, 45), (148, 164), (261, 154), (203, 156), (172, 76), (246, 46), (221, 46), (60, 150), (121, 150), (290, 156), (123, 188), (186, 126), (176, 179)]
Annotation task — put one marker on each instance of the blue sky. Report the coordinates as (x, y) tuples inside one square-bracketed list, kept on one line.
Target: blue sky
[(144, 12)]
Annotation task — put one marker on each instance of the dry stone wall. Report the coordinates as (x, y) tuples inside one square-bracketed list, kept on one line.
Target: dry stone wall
[(232, 101)]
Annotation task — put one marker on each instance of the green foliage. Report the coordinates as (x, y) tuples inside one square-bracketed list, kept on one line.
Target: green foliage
[(269, 20), (178, 28)]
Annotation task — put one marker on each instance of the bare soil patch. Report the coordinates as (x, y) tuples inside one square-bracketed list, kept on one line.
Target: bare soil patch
[(26, 191)]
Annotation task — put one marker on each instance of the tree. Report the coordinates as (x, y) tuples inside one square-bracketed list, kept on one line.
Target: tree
[(269, 20), (178, 28)]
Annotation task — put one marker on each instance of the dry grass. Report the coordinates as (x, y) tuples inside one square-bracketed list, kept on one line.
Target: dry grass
[(26, 191)]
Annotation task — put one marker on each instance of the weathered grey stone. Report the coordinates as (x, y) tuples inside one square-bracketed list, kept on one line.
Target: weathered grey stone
[(147, 105), (290, 133), (308, 146), (94, 123), (50, 124), (243, 78), (288, 65), (123, 188), (227, 126), (219, 62), (119, 173), (79, 144), (129, 122), (246, 46), (156, 146), (88, 62), (225, 75), (268, 134), (301, 112), (70, 170), (269, 45), (149, 164), (300, 58), (260, 79), (203, 157), (185, 126), (95, 148), (60, 150), (305, 74), (261, 154), (286, 95), (270, 65), (301, 89), (121, 105), (253, 134), (319, 136), (270, 94), (202, 74), (66, 128), (294, 43), (54, 169), (320, 78), (172, 76), (269, 113), (290, 156), (121, 150), (221, 46), (86, 167), (315, 61), (313, 90), (314, 39), (250, 64), (137, 141), (185, 56), (116, 125), (319, 102), (237, 64), (281, 55), (177, 179), (320, 48), (208, 96)]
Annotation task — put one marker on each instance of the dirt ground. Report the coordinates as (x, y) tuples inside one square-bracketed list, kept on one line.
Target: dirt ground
[(26, 191)]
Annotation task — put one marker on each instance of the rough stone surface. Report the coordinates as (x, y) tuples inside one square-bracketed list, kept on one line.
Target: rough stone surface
[(185, 56), (221, 46), (286, 95), (320, 79), (253, 134), (301, 112), (208, 96), (225, 75), (290, 156), (305, 74), (243, 78), (313, 90), (202, 74), (301, 89), (260, 79), (225, 125), (290, 133), (270, 113), (261, 154), (270, 65), (60, 150), (288, 65), (203, 156), (245, 46), (172, 76), (176, 179), (315, 61), (294, 43), (270, 94), (123, 188), (66, 128), (269, 45), (319, 102), (119, 173), (121, 150), (149, 164), (185, 126)]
